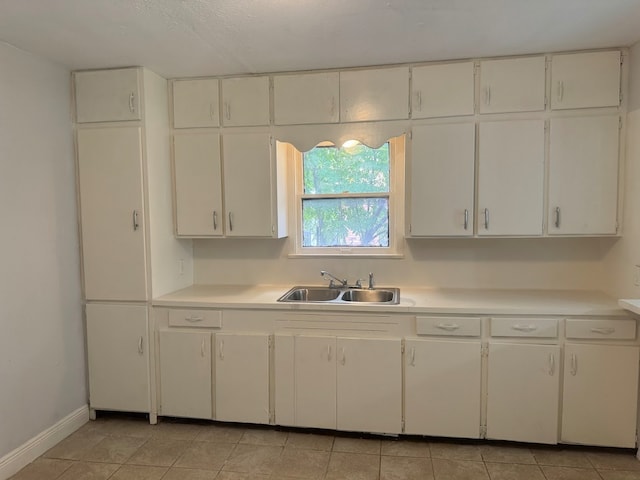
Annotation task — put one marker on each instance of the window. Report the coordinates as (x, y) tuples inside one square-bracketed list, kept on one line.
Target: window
[(346, 200)]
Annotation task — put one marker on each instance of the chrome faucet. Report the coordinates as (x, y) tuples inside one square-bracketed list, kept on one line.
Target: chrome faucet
[(370, 280), (323, 273)]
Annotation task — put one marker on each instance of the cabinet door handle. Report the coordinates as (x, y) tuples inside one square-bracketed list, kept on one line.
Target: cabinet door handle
[(419, 100), (560, 91), (332, 110), (466, 219), (574, 364), (135, 220), (552, 364), (524, 328), (194, 319), (215, 220), (343, 356), (221, 349), (412, 360), (603, 330), (230, 222), (140, 349), (557, 220), (227, 107), (486, 219), (132, 107), (449, 327), (328, 353), (487, 96)]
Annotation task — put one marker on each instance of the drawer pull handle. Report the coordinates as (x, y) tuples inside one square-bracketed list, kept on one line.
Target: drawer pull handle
[(412, 362), (466, 219), (132, 107), (328, 353), (202, 348), (603, 330), (140, 349), (449, 327), (574, 364), (552, 364), (221, 349), (525, 328), (343, 359), (194, 319)]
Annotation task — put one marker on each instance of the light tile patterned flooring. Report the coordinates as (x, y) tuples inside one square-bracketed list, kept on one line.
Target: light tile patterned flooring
[(118, 447)]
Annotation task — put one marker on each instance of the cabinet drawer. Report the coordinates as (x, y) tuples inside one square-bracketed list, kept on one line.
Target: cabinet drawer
[(601, 328), (195, 318), (449, 326), (524, 327)]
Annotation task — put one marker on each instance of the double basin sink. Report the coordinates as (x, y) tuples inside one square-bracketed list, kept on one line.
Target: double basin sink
[(344, 295)]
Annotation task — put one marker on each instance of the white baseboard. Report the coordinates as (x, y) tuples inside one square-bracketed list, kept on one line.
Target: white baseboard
[(36, 446)]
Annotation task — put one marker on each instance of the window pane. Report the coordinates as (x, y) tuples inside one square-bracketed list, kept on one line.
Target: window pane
[(358, 169), (345, 222)]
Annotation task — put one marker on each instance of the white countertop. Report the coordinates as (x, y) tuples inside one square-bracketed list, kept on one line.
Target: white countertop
[(412, 300), (633, 305)]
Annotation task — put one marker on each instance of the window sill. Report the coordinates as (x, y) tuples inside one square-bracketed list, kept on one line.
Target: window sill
[(346, 255)]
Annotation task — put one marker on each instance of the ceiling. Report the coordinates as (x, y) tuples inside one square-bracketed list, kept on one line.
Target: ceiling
[(181, 38)]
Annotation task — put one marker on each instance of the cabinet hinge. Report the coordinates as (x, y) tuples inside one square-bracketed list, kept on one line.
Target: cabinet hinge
[(270, 342), (483, 431), (271, 141), (402, 348)]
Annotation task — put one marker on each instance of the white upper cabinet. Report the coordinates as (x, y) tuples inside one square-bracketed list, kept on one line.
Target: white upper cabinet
[(306, 98), (380, 94), (198, 184), (442, 180), (443, 90), (195, 103), (512, 85), (245, 101), (582, 80), (108, 95), (511, 177), (583, 175)]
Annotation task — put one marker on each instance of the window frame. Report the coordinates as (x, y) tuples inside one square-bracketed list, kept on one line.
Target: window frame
[(396, 208)]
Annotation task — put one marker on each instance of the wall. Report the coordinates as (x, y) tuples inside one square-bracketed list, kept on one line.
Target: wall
[(42, 358), (622, 259)]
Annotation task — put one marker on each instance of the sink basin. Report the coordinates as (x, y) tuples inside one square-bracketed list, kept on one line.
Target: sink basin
[(343, 295)]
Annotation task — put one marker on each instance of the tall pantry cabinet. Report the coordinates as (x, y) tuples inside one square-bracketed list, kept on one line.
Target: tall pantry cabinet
[(129, 252)]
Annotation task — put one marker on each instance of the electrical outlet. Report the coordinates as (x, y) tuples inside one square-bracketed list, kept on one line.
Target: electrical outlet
[(636, 276)]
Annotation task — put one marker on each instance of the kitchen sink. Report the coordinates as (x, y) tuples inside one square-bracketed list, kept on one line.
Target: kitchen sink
[(344, 295)]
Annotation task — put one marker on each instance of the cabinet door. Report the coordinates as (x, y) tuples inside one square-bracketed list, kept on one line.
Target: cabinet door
[(512, 85), (248, 185), (112, 214), (381, 94), (118, 357), (442, 388), (245, 101), (198, 184), (306, 98), (583, 175), (511, 177), (600, 395), (315, 382), (581, 80), (195, 103), (284, 381), (442, 90), (369, 385), (185, 374), (523, 392), (108, 95), (242, 378), (442, 180)]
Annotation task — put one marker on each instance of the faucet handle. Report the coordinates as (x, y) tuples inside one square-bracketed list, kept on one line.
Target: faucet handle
[(358, 283)]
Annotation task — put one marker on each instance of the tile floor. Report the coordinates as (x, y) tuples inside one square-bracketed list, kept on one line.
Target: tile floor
[(118, 447)]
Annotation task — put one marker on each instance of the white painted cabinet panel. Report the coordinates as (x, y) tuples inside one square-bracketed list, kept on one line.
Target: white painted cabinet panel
[(112, 213), (442, 388), (196, 103), (315, 381), (511, 178), (306, 98), (442, 180), (583, 175), (185, 374), (523, 392), (600, 395), (369, 385), (245, 101), (118, 357), (512, 85), (581, 80), (198, 184), (284, 381), (242, 377), (380, 94), (108, 95), (444, 90)]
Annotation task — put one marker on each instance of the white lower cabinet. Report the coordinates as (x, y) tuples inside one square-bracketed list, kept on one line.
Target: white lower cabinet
[(600, 395), (186, 374), (242, 377), (118, 357), (442, 388), (523, 392)]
